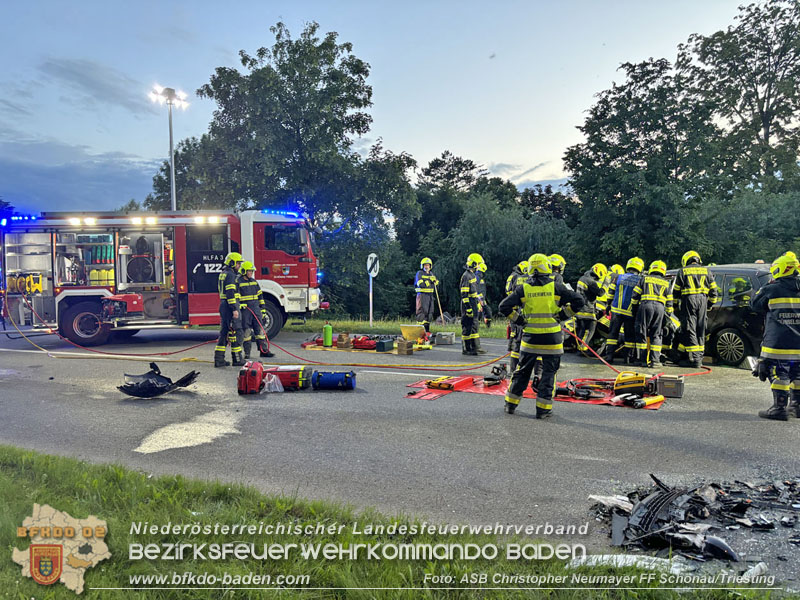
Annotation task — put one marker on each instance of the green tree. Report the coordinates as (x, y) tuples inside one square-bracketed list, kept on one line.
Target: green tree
[(649, 158), (544, 200), (750, 75), (131, 205), (451, 171)]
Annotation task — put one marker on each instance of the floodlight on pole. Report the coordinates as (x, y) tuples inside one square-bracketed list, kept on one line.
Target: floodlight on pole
[(172, 98)]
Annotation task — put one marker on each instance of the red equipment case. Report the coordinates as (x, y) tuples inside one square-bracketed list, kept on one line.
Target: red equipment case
[(251, 378), (292, 377)]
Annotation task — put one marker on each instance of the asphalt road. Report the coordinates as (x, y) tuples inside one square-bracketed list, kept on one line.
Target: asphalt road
[(457, 459)]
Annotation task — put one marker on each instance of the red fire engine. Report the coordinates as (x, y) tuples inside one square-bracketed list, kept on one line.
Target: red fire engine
[(91, 274)]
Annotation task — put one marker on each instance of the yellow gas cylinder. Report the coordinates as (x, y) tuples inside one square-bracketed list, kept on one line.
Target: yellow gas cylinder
[(94, 277), (111, 279)]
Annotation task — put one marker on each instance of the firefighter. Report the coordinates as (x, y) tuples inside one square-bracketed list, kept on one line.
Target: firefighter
[(590, 286), (518, 276), (425, 284), (534, 305), (780, 347), (254, 312), (620, 291), (469, 306), (696, 291), (558, 264), (654, 300), (229, 315)]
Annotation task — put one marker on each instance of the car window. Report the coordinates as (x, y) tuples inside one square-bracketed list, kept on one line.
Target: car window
[(737, 289), (286, 238)]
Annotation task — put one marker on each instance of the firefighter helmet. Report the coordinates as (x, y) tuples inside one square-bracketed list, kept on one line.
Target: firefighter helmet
[(784, 265), (689, 257), (793, 256), (246, 266), (482, 267), (635, 263), (599, 271), (473, 260), (539, 263), (616, 269), (425, 261), (658, 266), (557, 262), (233, 258), (523, 266)]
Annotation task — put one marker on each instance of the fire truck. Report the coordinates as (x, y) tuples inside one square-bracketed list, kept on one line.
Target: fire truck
[(90, 275)]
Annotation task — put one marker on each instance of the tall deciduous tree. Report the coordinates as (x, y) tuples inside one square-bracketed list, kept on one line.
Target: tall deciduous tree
[(451, 171), (648, 158), (750, 73)]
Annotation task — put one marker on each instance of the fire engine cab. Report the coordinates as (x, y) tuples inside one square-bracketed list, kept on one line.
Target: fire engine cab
[(93, 274)]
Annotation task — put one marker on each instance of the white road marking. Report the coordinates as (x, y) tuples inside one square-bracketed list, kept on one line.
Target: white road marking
[(396, 373), (203, 429)]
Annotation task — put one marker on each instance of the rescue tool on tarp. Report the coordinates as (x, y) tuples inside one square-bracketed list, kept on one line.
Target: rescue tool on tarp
[(153, 384)]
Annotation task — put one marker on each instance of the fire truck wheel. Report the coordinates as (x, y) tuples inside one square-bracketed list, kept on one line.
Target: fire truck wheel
[(81, 324), (274, 321)]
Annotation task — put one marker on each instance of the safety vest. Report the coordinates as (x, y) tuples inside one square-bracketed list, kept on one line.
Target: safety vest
[(539, 307), (622, 289)]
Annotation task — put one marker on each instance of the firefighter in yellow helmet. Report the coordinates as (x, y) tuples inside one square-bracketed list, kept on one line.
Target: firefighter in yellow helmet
[(534, 305), (230, 318), (253, 311), (469, 306), (425, 283), (620, 291), (694, 290), (518, 276), (780, 346), (590, 286), (557, 264), (654, 299)]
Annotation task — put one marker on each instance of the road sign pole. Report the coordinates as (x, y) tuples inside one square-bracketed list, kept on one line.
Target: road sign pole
[(370, 301)]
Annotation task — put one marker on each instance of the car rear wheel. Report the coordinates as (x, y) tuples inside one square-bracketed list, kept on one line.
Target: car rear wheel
[(731, 347)]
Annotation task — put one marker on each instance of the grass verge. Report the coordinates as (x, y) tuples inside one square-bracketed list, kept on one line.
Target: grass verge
[(121, 496), (387, 326)]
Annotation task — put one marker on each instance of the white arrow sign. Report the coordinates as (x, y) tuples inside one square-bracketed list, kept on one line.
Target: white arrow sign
[(373, 265)]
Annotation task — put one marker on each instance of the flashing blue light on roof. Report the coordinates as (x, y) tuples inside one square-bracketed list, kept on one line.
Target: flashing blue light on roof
[(286, 213), (3, 222)]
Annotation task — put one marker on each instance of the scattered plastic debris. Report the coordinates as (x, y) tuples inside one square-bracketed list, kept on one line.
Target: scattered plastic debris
[(153, 384)]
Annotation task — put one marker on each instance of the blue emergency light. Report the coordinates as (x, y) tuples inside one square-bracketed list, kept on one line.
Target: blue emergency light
[(286, 213)]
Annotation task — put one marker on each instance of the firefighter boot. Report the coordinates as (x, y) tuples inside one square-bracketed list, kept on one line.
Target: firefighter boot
[(776, 412), (543, 413), (794, 405), (238, 359), (510, 408), (247, 346), (478, 349), (219, 359), (263, 349), (470, 348)]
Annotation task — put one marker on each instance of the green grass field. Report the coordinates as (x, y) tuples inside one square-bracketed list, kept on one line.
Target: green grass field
[(497, 330), (120, 496)]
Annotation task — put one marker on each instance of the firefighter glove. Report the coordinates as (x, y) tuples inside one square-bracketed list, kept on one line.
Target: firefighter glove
[(764, 368), (516, 318)]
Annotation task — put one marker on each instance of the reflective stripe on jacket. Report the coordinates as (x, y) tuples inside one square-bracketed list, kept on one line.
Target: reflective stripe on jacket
[(227, 288)]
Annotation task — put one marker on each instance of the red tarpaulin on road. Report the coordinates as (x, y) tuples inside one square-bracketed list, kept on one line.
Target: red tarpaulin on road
[(478, 387)]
